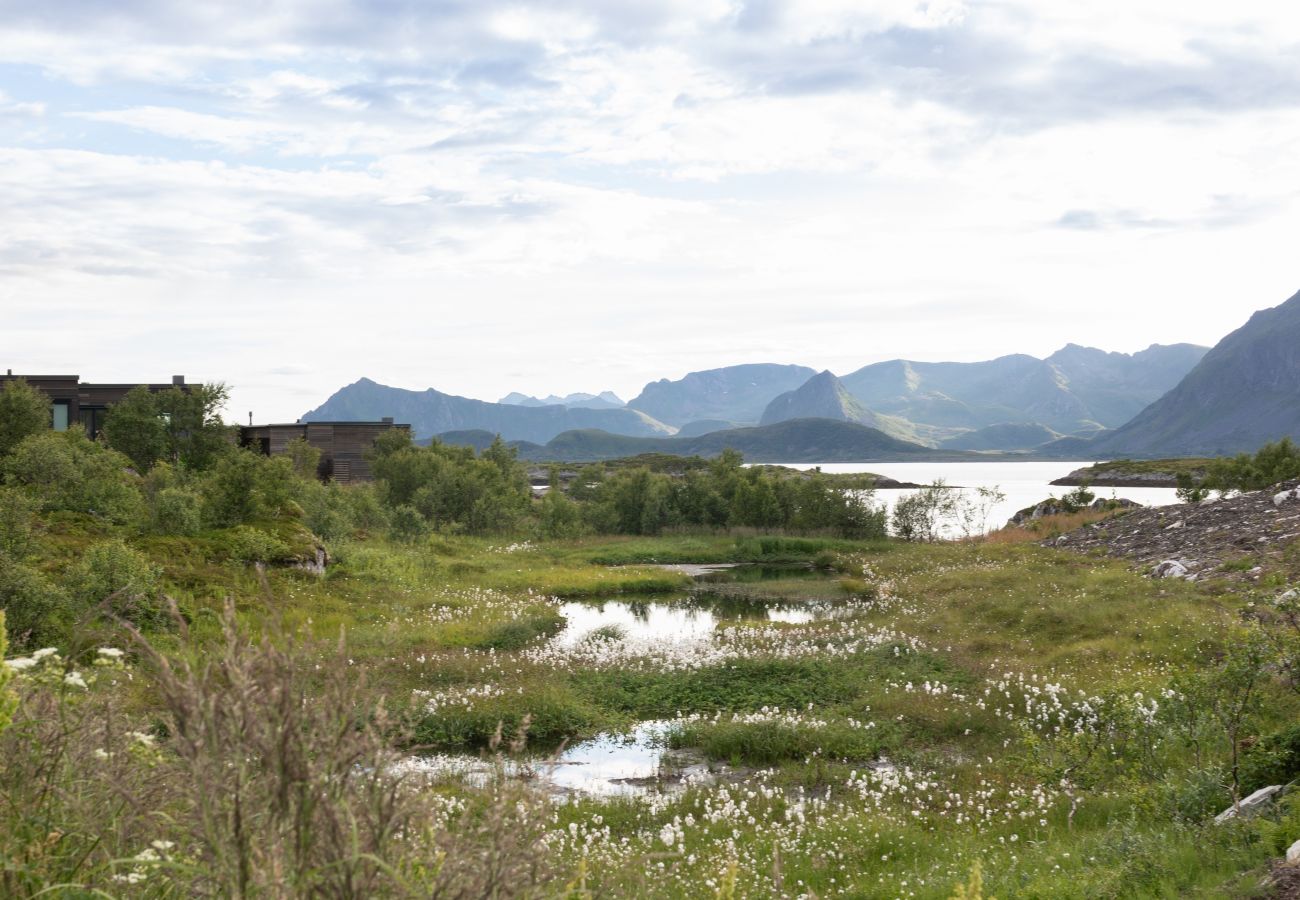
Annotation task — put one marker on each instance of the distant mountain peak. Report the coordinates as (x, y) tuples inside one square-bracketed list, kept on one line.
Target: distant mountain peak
[(603, 400), (823, 396), (731, 393), (1242, 394)]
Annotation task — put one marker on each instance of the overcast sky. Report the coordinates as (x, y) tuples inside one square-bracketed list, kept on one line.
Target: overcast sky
[(558, 196)]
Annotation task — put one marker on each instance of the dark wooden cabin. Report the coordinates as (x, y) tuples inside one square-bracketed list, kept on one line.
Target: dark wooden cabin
[(75, 401), (344, 446)]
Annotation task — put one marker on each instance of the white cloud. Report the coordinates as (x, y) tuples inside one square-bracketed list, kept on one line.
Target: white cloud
[(641, 188)]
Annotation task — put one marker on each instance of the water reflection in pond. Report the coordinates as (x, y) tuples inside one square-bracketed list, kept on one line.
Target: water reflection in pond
[(686, 618), (626, 764), (682, 619)]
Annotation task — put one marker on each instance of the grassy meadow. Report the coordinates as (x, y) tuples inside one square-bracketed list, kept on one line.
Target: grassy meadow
[(975, 707)]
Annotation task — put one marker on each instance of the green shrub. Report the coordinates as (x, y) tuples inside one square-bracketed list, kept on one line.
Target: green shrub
[(407, 524), (1273, 759), (65, 470), (17, 510), (176, 511), (35, 609), (8, 700), (254, 545), (24, 411), (768, 744), (113, 572), (247, 487), (516, 633), (1271, 464)]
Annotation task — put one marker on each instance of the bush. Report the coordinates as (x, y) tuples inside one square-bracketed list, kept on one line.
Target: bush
[(450, 487), (920, 516), (17, 511), (35, 609), (176, 511), (335, 511), (24, 411), (65, 470), (1077, 499), (248, 487), (407, 524), (254, 545), (113, 572), (1273, 759), (1272, 463)]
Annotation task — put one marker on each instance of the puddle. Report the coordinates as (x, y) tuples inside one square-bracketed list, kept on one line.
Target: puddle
[(642, 620), (740, 573), (683, 619), (609, 765), (693, 617)]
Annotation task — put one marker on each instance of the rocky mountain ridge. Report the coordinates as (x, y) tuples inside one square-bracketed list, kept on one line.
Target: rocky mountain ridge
[(432, 412), (1243, 393)]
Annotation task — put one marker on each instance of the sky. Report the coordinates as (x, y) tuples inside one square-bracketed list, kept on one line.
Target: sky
[(482, 196)]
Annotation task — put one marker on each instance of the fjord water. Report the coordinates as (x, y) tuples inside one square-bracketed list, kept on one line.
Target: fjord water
[(1024, 483)]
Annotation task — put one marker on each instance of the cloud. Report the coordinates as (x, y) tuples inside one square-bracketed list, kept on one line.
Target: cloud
[(660, 185)]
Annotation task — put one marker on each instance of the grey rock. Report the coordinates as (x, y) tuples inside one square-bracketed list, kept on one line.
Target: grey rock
[(1250, 806), (1170, 568), (1293, 854)]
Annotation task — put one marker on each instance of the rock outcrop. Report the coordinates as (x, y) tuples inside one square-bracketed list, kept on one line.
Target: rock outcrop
[(1054, 506), (1250, 806), (1199, 538)]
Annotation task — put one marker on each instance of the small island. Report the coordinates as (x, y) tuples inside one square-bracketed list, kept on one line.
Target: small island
[(1137, 473)]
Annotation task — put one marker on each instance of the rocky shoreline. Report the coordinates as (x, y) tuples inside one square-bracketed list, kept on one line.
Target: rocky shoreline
[(1129, 479)]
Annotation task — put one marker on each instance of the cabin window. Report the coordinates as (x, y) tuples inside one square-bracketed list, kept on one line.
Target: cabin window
[(60, 415), (92, 419)]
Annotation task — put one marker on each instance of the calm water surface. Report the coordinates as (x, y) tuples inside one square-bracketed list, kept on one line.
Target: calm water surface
[(1024, 483)]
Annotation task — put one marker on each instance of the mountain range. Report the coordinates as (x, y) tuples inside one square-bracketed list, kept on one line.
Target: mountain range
[(1077, 390), (1167, 400), (432, 412), (603, 400)]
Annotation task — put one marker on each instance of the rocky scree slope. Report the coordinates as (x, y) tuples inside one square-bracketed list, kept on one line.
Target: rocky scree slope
[(1194, 540)]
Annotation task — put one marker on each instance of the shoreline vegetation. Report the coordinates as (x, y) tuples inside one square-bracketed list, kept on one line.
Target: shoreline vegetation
[(226, 678)]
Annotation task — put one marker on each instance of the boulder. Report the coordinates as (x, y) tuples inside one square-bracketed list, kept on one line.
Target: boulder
[(1284, 496), (1293, 854), (1251, 805), (1171, 568)]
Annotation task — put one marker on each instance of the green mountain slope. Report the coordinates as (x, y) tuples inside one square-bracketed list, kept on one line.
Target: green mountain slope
[(1007, 436), (796, 440)]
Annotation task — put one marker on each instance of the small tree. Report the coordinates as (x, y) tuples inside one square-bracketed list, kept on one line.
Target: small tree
[(24, 411), (135, 426), (1189, 489), (196, 435), (1231, 692), (304, 457), (1077, 499), (920, 516), (973, 509)]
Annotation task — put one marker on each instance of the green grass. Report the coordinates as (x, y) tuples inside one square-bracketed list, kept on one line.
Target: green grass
[(452, 615)]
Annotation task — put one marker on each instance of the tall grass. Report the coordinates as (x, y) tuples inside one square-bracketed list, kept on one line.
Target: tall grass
[(264, 771)]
